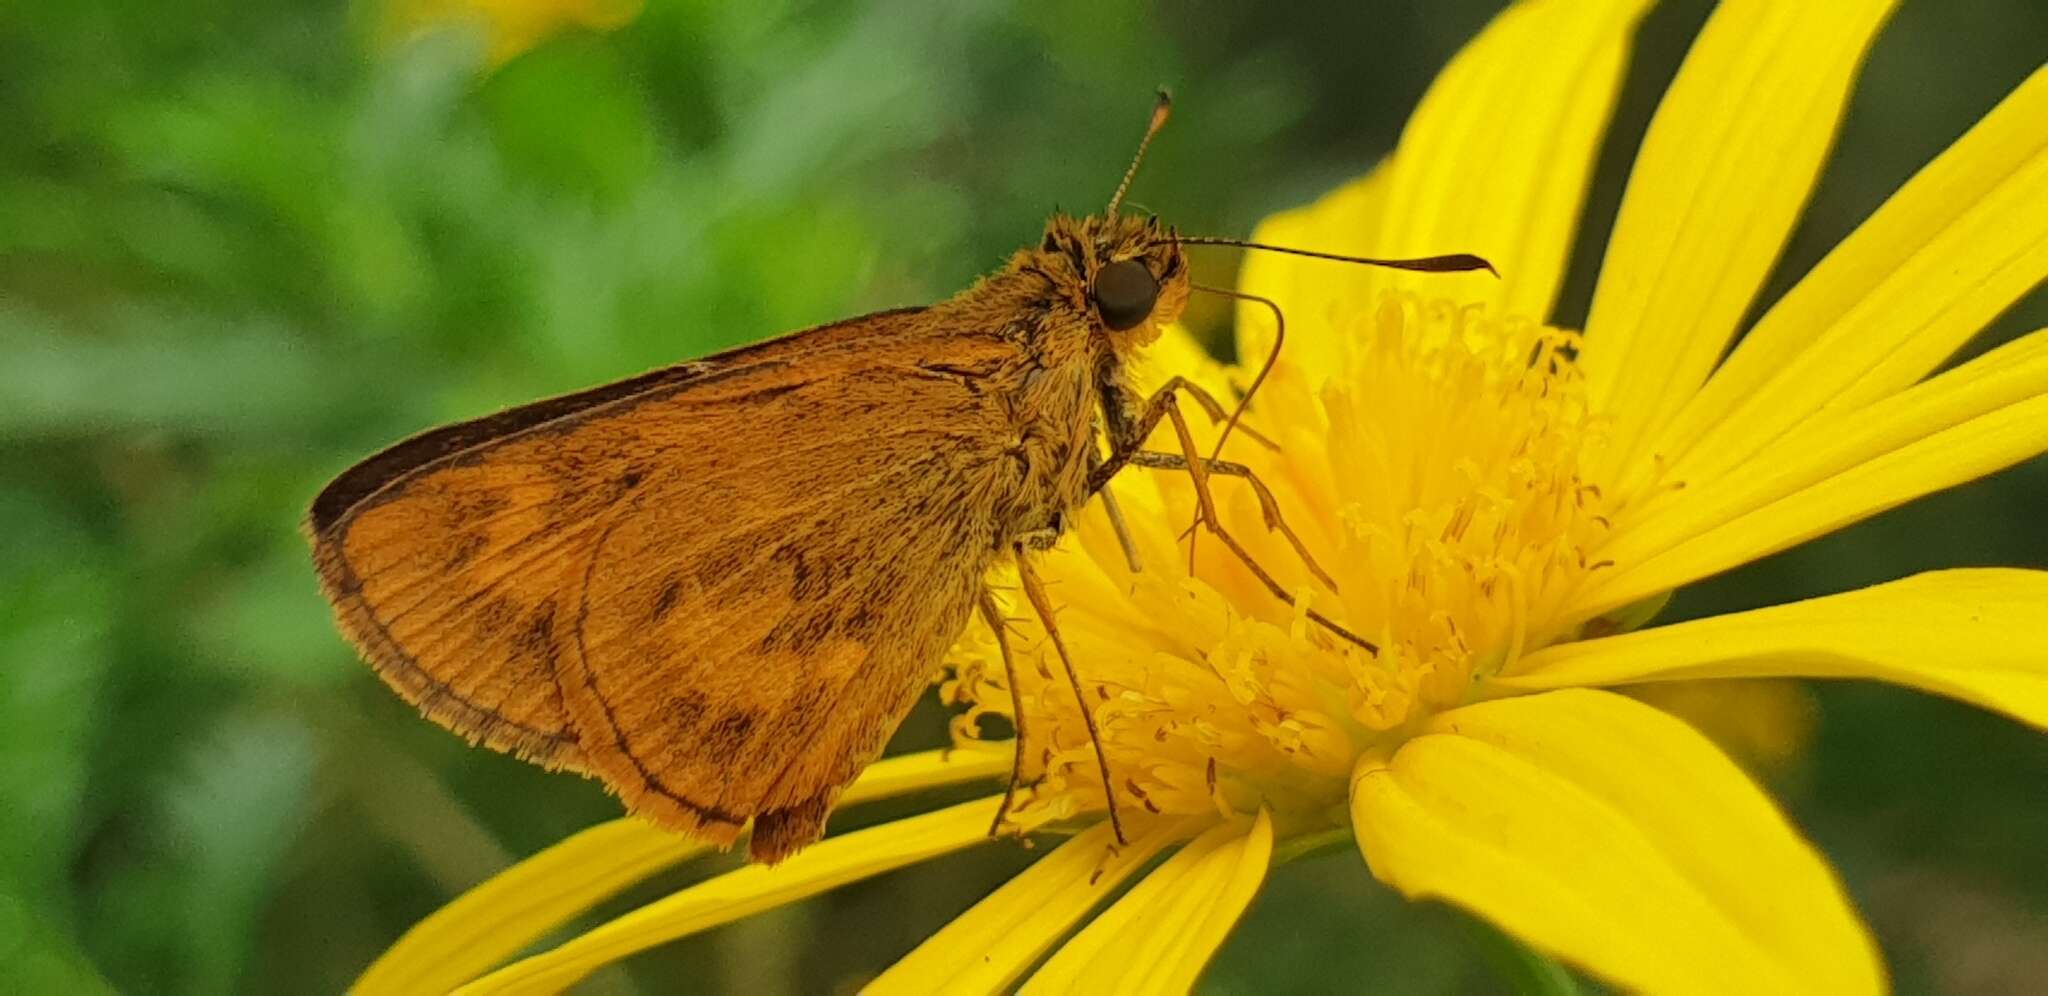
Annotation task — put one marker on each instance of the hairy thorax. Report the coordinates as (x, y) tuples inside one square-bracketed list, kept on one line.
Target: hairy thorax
[(1064, 361)]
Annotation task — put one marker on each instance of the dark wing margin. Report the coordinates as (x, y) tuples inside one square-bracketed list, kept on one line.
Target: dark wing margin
[(540, 733), (395, 461)]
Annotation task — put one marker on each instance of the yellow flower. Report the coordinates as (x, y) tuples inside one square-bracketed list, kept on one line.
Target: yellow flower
[(507, 27), (1502, 505)]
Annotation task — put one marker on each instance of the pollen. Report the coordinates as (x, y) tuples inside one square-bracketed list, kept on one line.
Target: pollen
[(1437, 473)]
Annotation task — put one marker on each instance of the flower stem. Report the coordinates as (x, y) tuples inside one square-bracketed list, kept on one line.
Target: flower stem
[(1310, 844)]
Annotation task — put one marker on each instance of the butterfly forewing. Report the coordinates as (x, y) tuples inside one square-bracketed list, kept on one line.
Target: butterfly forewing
[(718, 589)]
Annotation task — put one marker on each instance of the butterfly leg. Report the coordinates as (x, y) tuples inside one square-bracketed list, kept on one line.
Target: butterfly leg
[(1131, 422), (1198, 468), (1130, 419), (1269, 507), (1116, 518), (1099, 487), (1041, 602), (1214, 409), (1176, 461), (992, 614)]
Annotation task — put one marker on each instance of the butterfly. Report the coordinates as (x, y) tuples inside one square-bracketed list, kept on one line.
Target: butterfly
[(720, 586)]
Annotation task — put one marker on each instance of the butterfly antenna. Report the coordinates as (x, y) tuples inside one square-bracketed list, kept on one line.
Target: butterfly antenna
[(1160, 109), (1452, 263), (1457, 262)]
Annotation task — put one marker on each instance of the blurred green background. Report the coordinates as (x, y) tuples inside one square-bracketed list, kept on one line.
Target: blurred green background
[(243, 244)]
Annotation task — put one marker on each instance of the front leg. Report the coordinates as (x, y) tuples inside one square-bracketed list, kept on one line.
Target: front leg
[(1128, 432), (1269, 507), (1130, 420)]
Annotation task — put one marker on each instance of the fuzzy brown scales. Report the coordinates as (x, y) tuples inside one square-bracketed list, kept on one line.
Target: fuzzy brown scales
[(720, 586)]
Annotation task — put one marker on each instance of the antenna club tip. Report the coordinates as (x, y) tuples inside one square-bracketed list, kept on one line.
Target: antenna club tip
[(1469, 261), (1162, 105)]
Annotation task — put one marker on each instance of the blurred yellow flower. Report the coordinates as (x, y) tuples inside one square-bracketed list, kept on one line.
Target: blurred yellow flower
[(507, 27), (1501, 503)]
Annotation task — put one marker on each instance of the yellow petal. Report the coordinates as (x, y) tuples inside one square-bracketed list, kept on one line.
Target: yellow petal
[(1496, 158), (1979, 635), (1980, 417), (525, 902), (510, 910), (1158, 938), (1316, 295), (985, 949), (906, 773), (1977, 419), (1954, 247), (828, 864), (1722, 176), (1494, 161), (1613, 836)]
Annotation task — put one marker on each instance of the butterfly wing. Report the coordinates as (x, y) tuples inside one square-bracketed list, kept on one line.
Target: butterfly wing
[(718, 587)]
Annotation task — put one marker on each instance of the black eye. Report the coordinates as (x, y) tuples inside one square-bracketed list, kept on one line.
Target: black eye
[(1124, 292)]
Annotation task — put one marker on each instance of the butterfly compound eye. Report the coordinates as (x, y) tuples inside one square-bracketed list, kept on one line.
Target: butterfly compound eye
[(1124, 293)]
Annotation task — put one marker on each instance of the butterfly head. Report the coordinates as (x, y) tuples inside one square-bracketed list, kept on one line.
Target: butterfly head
[(1130, 271)]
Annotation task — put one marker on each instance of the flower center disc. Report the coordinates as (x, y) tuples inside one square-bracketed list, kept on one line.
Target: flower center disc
[(1436, 473)]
